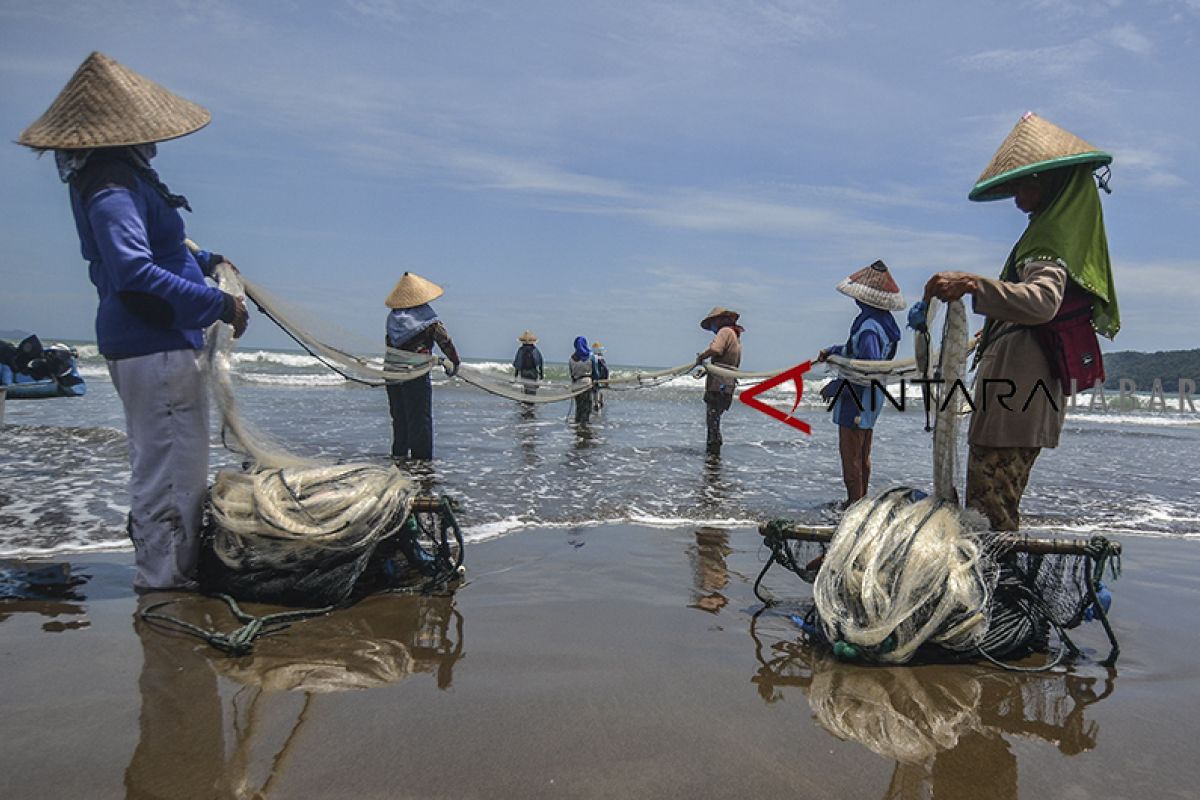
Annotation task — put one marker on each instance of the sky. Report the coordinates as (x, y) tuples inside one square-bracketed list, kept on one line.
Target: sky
[(615, 169)]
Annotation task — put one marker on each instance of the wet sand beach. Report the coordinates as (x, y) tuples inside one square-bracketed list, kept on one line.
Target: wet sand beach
[(615, 661)]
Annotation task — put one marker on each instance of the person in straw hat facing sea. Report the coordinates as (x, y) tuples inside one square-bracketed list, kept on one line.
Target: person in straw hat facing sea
[(527, 363), (725, 350), (1058, 272), (413, 327), (874, 336), (154, 302)]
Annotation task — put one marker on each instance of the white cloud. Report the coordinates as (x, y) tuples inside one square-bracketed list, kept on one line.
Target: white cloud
[(1049, 62), (1173, 281), (1127, 37)]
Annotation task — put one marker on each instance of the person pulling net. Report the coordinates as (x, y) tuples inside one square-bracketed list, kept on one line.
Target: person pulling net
[(906, 571)]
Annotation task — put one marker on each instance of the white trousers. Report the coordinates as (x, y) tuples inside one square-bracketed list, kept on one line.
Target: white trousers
[(166, 422)]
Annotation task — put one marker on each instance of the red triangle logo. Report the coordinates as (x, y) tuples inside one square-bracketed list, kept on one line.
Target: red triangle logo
[(750, 396)]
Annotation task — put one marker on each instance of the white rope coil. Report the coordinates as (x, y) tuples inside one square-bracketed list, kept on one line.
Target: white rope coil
[(287, 509), (900, 573)]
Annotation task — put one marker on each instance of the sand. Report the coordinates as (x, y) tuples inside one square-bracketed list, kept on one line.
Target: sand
[(615, 661)]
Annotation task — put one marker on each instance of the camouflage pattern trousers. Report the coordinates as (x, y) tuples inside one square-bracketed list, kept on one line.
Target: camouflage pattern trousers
[(996, 479)]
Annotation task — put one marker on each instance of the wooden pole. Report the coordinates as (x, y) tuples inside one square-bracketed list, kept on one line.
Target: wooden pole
[(1015, 542)]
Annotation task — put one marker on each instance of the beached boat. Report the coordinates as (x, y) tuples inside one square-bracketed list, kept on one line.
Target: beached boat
[(28, 370)]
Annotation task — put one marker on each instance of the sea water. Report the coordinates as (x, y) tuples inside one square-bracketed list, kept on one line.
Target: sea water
[(511, 466)]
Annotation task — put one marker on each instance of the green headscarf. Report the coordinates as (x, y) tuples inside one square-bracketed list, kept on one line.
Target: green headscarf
[(1070, 232)]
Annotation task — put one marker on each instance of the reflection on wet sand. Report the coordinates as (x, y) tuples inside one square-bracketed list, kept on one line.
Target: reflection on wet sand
[(49, 589), (185, 722), (945, 726), (709, 572)]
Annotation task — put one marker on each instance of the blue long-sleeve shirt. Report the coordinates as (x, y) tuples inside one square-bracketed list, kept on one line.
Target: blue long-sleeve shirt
[(153, 297)]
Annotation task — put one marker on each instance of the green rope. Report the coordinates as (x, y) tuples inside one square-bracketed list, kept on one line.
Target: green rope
[(238, 641)]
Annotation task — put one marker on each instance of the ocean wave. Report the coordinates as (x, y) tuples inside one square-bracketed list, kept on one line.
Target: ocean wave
[(276, 357), (290, 379), (1161, 418)]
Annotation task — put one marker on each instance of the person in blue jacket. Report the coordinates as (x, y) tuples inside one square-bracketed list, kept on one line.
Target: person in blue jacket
[(154, 300), (874, 336)]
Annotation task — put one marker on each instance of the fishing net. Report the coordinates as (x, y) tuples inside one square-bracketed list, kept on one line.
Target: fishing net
[(293, 530), (900, 572), (316, 335)]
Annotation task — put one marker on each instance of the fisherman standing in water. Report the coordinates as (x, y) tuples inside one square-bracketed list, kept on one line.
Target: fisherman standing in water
[(154, 302), (599, 375), (725, 351), (527, 363), (413, 327), (874, 336), (1055, 292), (581, 366)]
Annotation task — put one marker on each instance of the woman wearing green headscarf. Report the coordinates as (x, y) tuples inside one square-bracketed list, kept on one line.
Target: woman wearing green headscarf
[(1019, 402)]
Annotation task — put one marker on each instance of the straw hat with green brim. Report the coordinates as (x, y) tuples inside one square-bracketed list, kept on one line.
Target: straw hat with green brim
[(718, 311), (1033, 146), (106, 104), (527, 337), (411, 291)]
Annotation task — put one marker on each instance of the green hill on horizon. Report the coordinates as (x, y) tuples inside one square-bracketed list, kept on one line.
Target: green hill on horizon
[(1144, 368)]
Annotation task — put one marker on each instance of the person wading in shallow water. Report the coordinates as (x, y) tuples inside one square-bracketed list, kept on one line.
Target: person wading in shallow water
[(1055, 292), (154, 302), (527, 363), (413, 327), (581, 366), (725, 350), (874, 336)]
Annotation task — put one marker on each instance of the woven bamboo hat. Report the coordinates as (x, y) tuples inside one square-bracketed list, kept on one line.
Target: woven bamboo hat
[(1034, 145), (718, 311), (412, 290), (527, 337), (874, 286), (106, 104)]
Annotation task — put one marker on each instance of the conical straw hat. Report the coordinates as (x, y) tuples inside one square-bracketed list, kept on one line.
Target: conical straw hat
[(719, 311), (1034, 145), (109, 105), (874, 286), (412, 290), (527, 337)]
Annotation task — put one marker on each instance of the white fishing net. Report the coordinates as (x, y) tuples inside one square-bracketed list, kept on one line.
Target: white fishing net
[(285, 509), (901, 570), (899, 573)]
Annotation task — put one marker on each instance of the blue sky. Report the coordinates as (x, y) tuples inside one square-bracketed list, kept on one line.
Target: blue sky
[(615, 169)]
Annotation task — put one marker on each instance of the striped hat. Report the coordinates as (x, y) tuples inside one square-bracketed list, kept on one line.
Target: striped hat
[(874, 286), (106, 104), (1034, 145)]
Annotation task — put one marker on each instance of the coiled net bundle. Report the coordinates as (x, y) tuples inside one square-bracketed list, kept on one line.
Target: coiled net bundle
[(291, 529), (902, 572)]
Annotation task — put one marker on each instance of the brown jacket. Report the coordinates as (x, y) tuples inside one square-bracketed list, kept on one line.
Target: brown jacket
[(726, 351), (1014, 354)]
